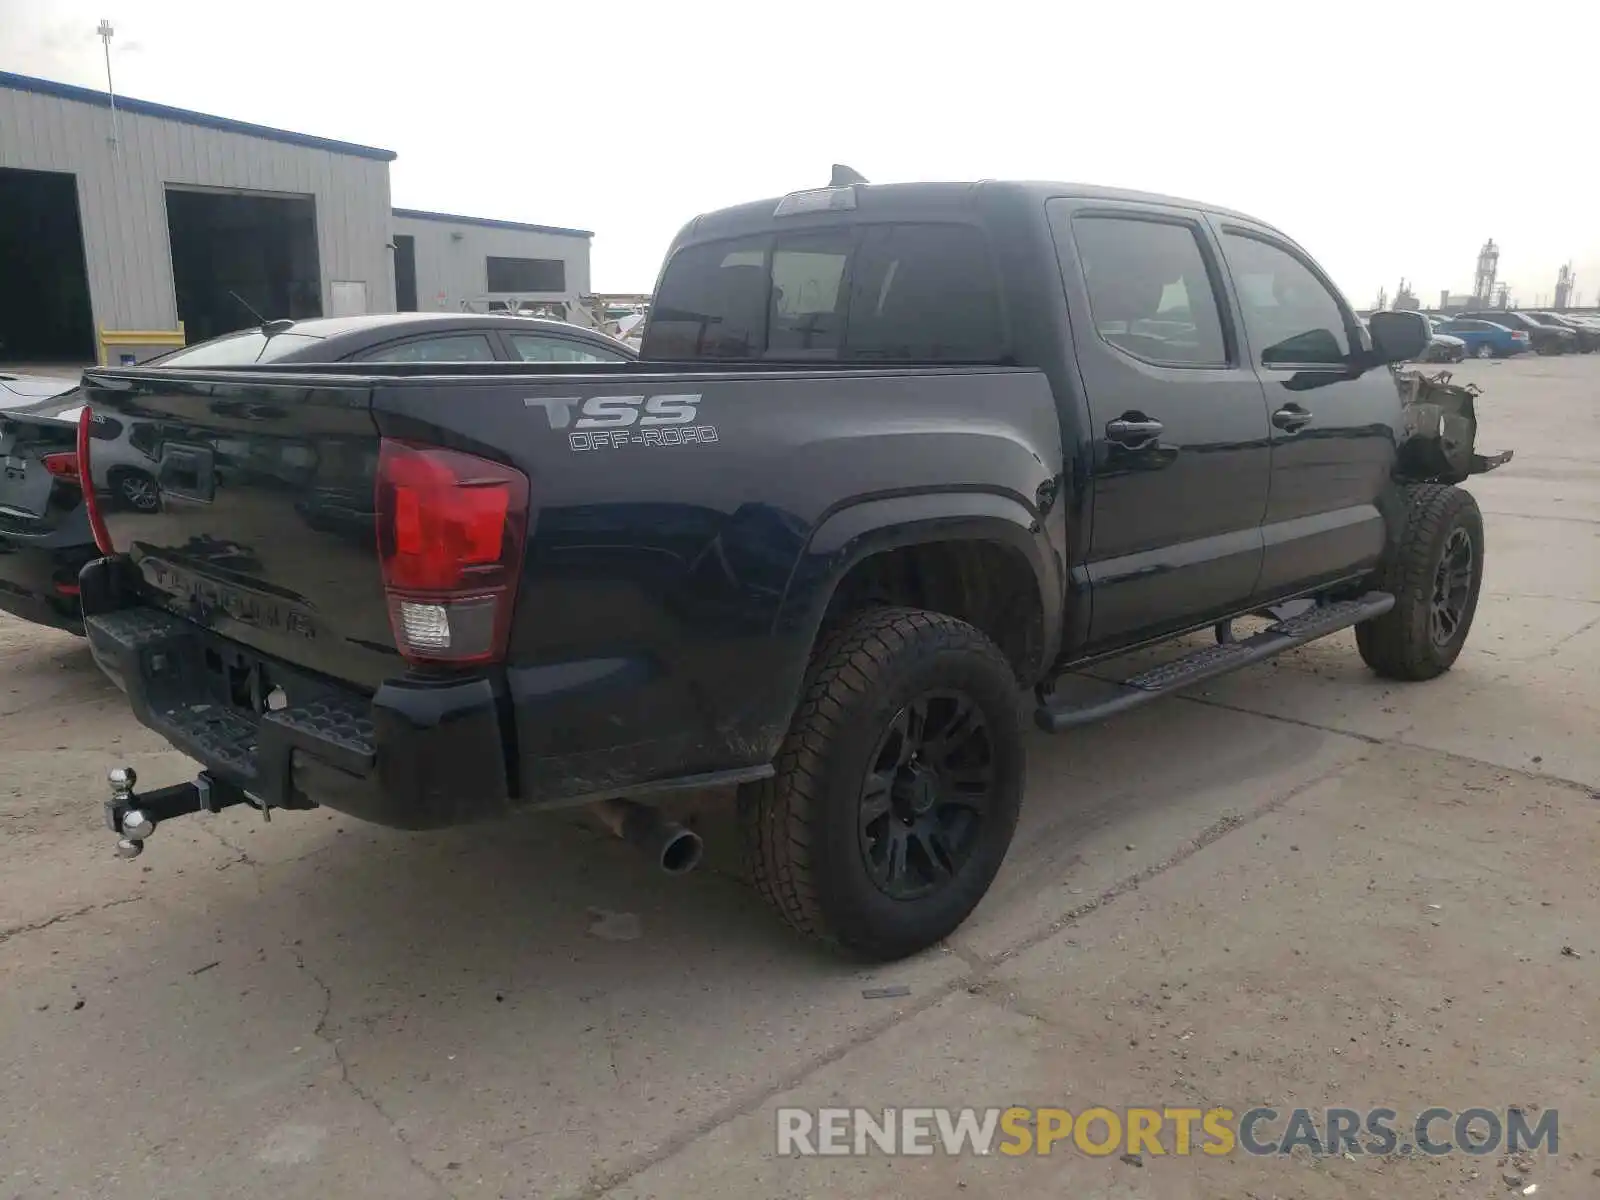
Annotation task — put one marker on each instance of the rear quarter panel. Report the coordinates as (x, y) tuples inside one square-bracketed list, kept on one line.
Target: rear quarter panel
[(672, 585)]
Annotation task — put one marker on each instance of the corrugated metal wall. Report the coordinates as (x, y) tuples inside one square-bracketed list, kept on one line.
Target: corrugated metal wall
[(450, 270), (122, 200)]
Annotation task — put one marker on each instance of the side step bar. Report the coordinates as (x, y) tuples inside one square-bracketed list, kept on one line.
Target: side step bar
[(1057, 714)]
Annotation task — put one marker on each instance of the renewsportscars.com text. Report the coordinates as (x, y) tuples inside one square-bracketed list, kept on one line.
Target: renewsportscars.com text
[(1100, 1131)]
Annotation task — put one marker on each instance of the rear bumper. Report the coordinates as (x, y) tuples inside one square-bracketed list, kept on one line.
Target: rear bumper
[(413, 756), (35, 570)]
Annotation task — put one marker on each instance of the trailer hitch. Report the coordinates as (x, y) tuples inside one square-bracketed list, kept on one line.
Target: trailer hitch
[(134, 817)]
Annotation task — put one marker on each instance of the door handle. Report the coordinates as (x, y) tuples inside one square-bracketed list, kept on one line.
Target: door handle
[(1291, 417), (1133, 429)]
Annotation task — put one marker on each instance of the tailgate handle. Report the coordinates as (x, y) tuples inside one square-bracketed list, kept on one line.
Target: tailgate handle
[(188, 472)]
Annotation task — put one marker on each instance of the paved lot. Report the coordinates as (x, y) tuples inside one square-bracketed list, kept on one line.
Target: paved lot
[(1298, 886)]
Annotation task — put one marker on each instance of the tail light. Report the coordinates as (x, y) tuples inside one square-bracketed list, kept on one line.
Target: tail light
[(451, 528), (91, 503), (63, 465), (1520, 335)]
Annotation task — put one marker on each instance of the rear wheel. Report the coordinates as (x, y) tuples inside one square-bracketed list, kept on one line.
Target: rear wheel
[(1484, 350), (1435, 571), (897, 788)]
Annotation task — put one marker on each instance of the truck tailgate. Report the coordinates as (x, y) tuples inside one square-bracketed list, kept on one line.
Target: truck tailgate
[(263, 524)]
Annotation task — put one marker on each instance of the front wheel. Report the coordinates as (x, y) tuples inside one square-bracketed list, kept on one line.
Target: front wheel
[(1434, 570), (897, 788), (1484, 350)]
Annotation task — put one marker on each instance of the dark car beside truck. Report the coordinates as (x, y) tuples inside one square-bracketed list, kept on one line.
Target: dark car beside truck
[(891, 453), (44, 529)]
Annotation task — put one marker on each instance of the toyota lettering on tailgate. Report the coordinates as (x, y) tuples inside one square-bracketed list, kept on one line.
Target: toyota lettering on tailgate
[(612, 422)]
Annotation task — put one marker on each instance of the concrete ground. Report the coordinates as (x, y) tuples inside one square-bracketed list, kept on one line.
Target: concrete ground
[(1299, 886)]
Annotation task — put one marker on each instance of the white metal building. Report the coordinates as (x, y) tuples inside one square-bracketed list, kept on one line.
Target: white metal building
[(458, 261), (144, 224)]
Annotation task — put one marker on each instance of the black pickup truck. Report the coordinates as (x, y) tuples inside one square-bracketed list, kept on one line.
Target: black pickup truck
[(892, 453)]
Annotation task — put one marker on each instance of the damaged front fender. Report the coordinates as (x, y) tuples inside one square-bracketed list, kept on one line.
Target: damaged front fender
[(1439, 430)]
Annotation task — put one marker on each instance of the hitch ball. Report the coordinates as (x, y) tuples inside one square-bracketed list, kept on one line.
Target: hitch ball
[(137, 825), (128, 848)]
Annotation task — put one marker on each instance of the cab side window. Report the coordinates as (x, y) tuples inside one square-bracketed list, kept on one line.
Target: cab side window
[(1291, 317), (1150, 291)]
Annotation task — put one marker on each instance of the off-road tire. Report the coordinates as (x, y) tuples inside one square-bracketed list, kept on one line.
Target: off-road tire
[(1400, 644), (801, 827)]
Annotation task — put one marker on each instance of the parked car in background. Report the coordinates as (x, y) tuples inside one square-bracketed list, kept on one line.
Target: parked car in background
[(1545, 339), (1442, 346), (25, 389), (1486, 339), (44, 531), (1588, 335)]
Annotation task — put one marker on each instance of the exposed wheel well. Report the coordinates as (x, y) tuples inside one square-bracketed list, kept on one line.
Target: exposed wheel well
[(989, 585)]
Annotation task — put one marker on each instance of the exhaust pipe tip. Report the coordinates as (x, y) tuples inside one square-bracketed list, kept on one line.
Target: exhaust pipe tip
[(681, 850), (674, 849)]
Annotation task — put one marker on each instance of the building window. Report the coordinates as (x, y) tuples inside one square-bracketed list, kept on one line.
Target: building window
[(527, 275)]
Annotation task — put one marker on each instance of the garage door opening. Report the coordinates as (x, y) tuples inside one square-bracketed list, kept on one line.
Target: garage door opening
[(233, 252), (45, 315)]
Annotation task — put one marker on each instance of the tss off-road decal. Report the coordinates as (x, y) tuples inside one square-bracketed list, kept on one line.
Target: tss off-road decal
[(611, 422)]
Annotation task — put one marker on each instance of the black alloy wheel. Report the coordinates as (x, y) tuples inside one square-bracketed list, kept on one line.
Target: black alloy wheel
[(926, 795), (1452, 588), (896, 791)]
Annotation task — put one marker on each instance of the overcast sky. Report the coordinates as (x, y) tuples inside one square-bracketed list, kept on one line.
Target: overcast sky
[(1350, 125)]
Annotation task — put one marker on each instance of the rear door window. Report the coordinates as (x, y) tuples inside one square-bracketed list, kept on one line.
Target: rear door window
[(445, 348), (880, 293), (541, 347), (1150, 291)]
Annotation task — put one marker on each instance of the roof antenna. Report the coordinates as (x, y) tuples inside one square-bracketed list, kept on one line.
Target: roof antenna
[(248, 307), (844, 176)]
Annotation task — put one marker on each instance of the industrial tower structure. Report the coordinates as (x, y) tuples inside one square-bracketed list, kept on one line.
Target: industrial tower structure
[(1483, 281), (1564, 282)]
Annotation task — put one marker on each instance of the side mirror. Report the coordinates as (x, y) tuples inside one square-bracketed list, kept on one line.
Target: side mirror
[(1399, 336)]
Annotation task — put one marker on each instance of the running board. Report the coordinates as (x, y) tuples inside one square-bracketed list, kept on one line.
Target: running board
[(1058, 714)]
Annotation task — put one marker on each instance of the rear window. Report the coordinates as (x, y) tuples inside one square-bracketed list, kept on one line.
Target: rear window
[(239, 349), (872, 293)]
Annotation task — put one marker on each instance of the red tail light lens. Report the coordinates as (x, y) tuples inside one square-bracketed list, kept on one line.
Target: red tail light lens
[(63, 465), (91, 503), (451, 528)]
